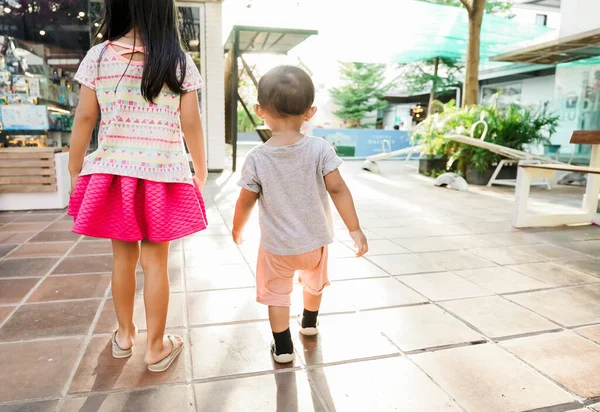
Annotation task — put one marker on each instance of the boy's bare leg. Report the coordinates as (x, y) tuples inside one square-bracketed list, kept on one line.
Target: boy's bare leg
[(279, 317)]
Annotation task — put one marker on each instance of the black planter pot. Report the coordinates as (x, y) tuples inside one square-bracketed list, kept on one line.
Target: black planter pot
[(428, 165), (475, 177)]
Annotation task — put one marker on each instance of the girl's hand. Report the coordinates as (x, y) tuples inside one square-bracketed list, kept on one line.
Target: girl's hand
[(200, 181), (360, 242), (73, 183), (237, 236)]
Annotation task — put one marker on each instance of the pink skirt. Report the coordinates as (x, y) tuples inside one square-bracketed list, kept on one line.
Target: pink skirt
[(131, 209)]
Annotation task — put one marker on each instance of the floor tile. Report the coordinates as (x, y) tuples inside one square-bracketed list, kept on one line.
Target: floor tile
[(30, 267), (232, 349), (288, 391), (337, 341), (588, 266), (497, 317), (551, 252), (554, 274), (5, 311), (71, 287), (560, 306), (36, 369), (427, 244), (353, 268), (64, 225), (14, 290), (224, 256), (405, 264), (5, 249), (47, 249), (382, 247), (99, 371), (380, 385), (511, 239), (457, 260), (587, 247), (501, 279), (476, 377), (14, 237), (444, 286), (47, 320), (40, 217), (107, 323), (224, 306), (96, 247), (350, 295), (590, 332), (55, 236), (218, 277), (505, 255), (43, 406), (84, 264), (165, 398), (340, 250), (23, 227), (550, 354), (420, 327), (202, 243)]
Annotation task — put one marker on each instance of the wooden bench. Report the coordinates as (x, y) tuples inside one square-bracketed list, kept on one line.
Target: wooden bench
[(27, 170), (528, 172), (33, 178)]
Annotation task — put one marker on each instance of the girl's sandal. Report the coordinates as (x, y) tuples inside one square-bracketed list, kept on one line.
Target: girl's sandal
[(117, 352), (164, 364)]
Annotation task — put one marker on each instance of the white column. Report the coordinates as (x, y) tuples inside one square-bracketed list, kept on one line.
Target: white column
[(212, 54)]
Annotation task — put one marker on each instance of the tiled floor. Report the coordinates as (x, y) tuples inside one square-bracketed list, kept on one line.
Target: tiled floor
[(453, 310)]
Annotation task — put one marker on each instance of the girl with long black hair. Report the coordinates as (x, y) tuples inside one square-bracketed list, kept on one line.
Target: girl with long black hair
[(137, 188)]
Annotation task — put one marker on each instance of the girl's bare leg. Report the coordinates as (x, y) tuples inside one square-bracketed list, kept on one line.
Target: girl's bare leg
[(125, 258), (312, 302), (154, 261)]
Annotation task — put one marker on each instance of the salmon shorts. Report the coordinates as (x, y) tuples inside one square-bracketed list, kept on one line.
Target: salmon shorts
[(275, 275)]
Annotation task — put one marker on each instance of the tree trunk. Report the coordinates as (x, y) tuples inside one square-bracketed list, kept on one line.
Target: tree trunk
[(471, 86), (432, 94)]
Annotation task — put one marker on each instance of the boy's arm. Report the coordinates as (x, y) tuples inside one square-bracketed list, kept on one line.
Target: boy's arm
[(81, 134), (191, 126), (243, 209), (342, 199)]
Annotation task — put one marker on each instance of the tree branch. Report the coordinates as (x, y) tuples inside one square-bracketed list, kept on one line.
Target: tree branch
[(468, 5)]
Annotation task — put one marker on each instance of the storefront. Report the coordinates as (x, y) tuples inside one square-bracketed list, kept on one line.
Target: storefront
[(42, 43)]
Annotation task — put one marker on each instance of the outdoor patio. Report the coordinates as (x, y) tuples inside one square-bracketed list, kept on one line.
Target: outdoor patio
[(451, 310)]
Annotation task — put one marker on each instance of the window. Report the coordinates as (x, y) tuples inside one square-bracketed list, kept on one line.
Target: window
[(541, 19)]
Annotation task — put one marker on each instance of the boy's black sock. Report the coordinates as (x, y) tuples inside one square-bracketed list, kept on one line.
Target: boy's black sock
[(283, 342), (309, 319)]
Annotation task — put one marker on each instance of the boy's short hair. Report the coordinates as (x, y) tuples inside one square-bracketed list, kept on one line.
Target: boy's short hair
[(286, 91)]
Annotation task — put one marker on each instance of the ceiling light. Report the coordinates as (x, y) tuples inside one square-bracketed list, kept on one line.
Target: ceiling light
[(42, 32)]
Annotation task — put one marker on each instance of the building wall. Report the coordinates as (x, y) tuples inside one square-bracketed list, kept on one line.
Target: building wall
[(579, 16), (528, 16), (214, 104)]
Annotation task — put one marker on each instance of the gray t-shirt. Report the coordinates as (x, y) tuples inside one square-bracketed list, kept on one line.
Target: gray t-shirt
[(294, 211)]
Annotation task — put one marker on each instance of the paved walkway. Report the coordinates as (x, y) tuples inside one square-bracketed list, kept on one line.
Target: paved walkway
[(452, 310)]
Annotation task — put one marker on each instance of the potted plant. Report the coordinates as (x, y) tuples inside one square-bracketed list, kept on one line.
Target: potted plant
[(514, 126)]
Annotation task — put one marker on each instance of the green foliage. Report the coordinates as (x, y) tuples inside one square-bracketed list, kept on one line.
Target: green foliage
[(491, 6), (514, 126), (362, 91), (419, 76), (244, 123)]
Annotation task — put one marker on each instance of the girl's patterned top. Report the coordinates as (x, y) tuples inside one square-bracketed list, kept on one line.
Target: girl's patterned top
[(135, 138)]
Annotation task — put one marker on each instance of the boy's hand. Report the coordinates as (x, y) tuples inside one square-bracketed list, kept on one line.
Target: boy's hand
[(360, 242), (237, 236)]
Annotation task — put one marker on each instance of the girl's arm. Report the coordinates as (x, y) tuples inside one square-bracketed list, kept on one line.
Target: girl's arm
[(83, 126), (342, 199), (243, 209), (191, 125)]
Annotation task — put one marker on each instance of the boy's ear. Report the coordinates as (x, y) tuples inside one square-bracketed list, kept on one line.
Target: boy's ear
[(310, 113), (259, 112)]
